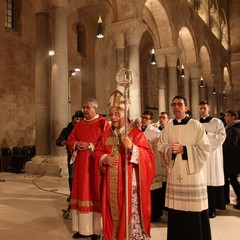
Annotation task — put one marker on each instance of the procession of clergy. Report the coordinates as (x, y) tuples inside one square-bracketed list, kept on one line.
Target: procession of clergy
[(127, 172)]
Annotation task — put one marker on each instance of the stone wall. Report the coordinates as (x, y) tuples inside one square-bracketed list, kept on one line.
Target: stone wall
[(17, 66), (17, 92)]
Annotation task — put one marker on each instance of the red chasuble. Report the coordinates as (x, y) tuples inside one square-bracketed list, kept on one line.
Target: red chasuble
[(85, 192), (113, 183)]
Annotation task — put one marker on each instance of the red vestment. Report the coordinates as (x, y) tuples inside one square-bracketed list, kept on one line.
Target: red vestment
[(85, 192), (113, 183)]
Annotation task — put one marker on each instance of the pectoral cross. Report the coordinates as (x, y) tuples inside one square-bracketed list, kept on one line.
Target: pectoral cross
[(117, 141)]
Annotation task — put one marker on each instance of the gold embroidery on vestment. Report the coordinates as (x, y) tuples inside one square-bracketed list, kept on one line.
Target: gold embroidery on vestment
[(115, 142), (114, 184)]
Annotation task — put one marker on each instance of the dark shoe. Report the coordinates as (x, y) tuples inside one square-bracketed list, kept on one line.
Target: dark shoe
[(78, 235), (95, 237), (212, 214), (237, 206)]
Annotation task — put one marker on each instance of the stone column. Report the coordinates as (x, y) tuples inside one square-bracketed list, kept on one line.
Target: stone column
[(202, 92), (42, 85), (119, 44), (186, 91), (120, 47), (194, 73), (221, 101), (214, 103), (56, 163), (210, 95), (59, 93), (162, 95), (134, 33), (172, 79)]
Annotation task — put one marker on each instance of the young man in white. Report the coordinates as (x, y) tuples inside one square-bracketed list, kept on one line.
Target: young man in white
[(216, 133)]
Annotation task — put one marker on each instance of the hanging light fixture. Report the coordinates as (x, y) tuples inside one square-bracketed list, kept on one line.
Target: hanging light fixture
[(224, 94), (201, 82), (153, 59), (182, 74), (73, 72), (214, 91), (182, 71), (100, 33)]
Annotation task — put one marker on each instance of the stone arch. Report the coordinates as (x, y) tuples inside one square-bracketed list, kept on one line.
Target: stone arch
[(186, 44), (148, 75), (225, 94), (207, 84), (227, 89), (205, 59), (226, 77), (160, 25), (188, 58)]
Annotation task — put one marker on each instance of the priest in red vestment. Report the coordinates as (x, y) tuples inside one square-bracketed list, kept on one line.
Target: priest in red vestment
[(111, 154), (85, 205)]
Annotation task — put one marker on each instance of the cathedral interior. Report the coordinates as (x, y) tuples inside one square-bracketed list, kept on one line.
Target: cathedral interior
[(56, 53)]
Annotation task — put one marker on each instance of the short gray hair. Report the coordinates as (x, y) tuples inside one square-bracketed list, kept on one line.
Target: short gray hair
[(93, 101)]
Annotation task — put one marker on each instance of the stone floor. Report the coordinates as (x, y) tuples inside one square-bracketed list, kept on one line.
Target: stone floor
[(31, 209)]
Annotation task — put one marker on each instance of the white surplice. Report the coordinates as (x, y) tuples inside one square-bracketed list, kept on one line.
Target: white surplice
[(186, 180)]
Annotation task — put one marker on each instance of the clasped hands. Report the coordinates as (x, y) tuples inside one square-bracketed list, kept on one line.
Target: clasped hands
[(167, 152), (112, 159), (81, 146), (177, 148)]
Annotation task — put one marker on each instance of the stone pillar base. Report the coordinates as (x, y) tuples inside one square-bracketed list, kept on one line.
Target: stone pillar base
[(48, 165)]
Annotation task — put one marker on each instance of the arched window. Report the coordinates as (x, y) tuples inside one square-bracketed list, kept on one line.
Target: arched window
[(9, 14)]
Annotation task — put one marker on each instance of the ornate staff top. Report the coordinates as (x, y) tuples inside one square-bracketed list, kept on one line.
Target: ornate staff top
[(124, 78)]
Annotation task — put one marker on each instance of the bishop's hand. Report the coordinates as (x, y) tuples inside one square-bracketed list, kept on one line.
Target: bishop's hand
[(127, 143)]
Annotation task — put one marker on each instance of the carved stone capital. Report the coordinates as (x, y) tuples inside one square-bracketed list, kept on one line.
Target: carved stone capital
[(119, 39), (134, 32), (130, 29)]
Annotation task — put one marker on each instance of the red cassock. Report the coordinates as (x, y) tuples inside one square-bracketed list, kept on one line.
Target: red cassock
[(113, 183), (85, 192)]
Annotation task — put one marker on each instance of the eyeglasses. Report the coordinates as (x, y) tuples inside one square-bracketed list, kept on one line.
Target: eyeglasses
[(179, 104), (145, 118), (87, 107)]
